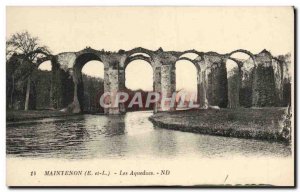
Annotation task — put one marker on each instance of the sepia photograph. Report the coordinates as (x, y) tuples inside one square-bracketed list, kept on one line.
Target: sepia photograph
[(150, 96)]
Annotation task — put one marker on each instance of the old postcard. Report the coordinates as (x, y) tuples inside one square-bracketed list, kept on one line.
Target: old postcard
[(150, 96)]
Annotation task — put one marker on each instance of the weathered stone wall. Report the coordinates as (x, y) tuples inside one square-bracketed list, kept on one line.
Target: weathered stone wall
[(263, 81), (281, 67), (278, 78), (165, 62), (166, 86), (62, 87), (66, 60), (198, 86), (114, 80), (202, 83), (286, 64), (217, 80), (264, 87), (157, 85), (265, 84), (113, 76)]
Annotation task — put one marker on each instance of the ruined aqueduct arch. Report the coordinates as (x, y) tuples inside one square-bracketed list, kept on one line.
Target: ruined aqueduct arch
[(66, 74)]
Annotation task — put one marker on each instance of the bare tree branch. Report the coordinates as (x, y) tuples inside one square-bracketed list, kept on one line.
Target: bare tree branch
[(24, 43)]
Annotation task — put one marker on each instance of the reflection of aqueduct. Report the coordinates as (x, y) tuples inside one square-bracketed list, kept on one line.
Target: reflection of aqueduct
[(266, 82)]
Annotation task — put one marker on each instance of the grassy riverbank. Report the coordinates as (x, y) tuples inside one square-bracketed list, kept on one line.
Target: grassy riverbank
[(270, 124), (20, 115)]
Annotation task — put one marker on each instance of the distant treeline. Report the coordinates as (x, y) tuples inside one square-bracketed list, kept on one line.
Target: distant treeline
[(40, 93)]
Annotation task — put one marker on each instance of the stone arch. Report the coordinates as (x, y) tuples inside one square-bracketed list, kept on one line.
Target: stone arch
[(139, 53), (82, 58), (194, 62), (46, 56), (43, 60), (137, 57), (239, 63), (149, 76), (201, 66), (242, 51), (246, 72), (39, 60), (38, 51), (198, 76), (200, 54), (42, 84), (139, 50), (234, 78), (134, 55)]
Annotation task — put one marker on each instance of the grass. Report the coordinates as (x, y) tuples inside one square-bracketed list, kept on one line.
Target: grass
[(259, 123)]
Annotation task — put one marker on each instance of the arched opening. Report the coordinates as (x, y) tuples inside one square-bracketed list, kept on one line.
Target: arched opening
[(190, 55), (138, 84), (233, 83), (45, 66), (240, 80), (41, 86), (93, 85), (89, 72), (186, 84), (142, 54)]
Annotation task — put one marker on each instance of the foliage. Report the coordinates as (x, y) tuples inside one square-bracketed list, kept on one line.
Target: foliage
[(42, 82), (93, 89), (217, 85), (233, 88), (265, 83), (23, 43), (22, 52)]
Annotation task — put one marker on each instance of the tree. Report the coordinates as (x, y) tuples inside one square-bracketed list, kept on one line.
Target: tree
[(23, 43)]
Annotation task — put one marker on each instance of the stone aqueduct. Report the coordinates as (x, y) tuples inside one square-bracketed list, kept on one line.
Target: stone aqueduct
[(67, 85)]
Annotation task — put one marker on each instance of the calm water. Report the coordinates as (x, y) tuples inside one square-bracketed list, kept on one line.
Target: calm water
[(130, 135)]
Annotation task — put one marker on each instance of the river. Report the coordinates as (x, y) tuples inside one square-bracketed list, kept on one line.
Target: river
[(124, 136)]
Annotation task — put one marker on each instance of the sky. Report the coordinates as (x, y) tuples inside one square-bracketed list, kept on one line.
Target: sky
[(218, 29)]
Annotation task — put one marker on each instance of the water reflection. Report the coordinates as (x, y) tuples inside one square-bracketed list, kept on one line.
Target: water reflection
[(130, 135), (115, 126), (38, 138), (165, 144)]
